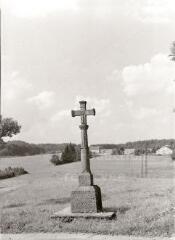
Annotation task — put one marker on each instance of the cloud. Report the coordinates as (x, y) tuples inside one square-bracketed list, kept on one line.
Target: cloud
[(43, 100), (14, 86), (149, 11), (38, 8), (155, 11), (145, 112), (60, 115), (146, 11), (155, 76), (148, 89)]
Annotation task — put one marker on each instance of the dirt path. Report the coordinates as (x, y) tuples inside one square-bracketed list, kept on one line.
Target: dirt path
[(74, 236)]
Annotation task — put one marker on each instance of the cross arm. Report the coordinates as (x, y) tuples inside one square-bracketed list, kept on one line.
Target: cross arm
[(75, 113), (90, 112)]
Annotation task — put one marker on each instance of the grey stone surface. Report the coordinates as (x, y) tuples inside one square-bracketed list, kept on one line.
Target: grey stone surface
[(66, 213), (86, 179), (86, 199), (83, 113)]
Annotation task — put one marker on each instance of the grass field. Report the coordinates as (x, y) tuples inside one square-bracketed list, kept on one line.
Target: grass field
[(144, 206)]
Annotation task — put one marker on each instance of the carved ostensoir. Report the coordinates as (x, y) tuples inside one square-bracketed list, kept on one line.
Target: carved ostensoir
[(87, 197)]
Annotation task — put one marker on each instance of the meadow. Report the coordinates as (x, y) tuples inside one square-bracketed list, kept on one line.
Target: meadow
[(143, 205)]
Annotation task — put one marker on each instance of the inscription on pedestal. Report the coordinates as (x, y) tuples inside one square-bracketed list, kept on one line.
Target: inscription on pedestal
[(86, 200)]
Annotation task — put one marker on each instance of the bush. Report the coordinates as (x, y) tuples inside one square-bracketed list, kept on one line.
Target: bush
[(12, 172), (173, 155), (55, 160)]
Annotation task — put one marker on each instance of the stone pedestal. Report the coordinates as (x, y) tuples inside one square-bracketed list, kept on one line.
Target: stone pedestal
[(86, 199)]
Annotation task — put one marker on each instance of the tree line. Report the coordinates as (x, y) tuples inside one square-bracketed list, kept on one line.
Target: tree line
[(140, 146), (20, 148)]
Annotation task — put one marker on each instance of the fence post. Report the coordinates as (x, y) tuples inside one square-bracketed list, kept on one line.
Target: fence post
[(146, 161), (142, 165)]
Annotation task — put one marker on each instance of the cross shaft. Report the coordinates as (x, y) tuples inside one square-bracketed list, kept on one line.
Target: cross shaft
[(83, 113)]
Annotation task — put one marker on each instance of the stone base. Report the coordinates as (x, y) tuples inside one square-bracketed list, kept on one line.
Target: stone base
[(86, 199), (68, 215)]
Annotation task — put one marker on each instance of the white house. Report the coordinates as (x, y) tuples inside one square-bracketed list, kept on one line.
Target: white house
[(95, 149), (59, 154), (165, 150), (108, 151), (129, 151)]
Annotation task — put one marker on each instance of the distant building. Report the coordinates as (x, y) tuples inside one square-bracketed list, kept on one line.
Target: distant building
[(106, 151), (129, 151), (95, 149), (165, 150), (59, 154)]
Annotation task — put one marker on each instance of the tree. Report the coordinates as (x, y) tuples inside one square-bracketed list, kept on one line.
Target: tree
[(9, 127), (69, 154), (172, 55)]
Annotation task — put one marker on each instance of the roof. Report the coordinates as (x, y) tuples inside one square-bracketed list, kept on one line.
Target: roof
[(166, 146), (164, 150), (94, 147), (129, 150)]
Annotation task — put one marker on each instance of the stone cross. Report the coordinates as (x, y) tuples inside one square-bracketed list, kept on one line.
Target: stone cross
[(87, 197), (86, 177)]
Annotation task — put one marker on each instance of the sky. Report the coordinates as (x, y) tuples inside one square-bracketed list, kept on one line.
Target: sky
[(112, 53)]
